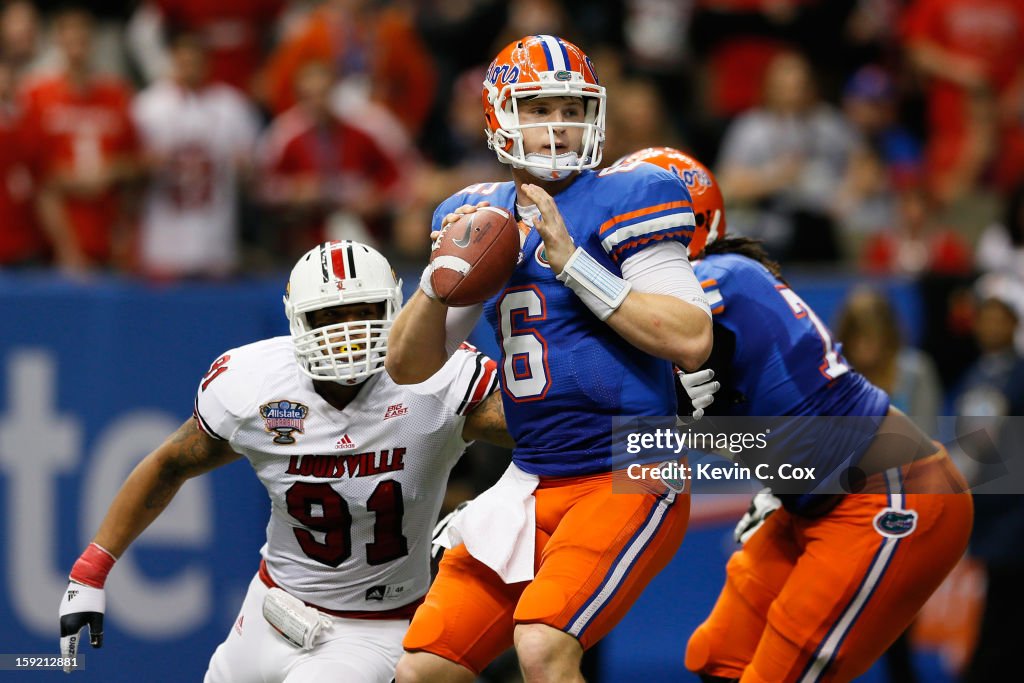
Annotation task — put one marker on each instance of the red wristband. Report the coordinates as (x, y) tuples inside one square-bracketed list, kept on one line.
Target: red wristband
[(93, 566)]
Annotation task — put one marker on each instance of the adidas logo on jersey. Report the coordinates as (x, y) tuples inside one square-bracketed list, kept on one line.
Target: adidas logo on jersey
[(391, 591), (397, 410), (345, 443)]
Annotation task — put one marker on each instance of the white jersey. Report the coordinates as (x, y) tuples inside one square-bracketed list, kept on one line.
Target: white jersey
[(354, 493), (197, 139)]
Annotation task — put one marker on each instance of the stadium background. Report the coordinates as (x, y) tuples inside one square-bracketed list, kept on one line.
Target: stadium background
[(98, 364)]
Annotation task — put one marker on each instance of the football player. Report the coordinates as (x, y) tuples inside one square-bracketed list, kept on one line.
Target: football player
[(827, 582), (354, 464), (603, 302)]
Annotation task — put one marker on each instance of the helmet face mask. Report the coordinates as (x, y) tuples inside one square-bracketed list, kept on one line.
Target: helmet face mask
[(341, 273), (708, 204), (537, 67)]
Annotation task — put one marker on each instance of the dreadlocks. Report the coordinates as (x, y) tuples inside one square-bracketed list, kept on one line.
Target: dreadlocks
[(744, 246)]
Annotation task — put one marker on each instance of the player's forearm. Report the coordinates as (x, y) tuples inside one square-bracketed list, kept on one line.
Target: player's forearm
[(154, 482), (487, 423), (416, 345), (144, 495), (666, 327)]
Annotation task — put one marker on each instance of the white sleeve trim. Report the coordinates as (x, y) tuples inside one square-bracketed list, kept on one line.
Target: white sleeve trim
[(665, 268), (673, 220)]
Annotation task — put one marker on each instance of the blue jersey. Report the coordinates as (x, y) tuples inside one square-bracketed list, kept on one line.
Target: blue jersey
[(775, 357), (784, 360), (564, 373)]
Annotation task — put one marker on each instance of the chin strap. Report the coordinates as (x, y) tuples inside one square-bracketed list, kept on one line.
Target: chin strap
[(564, 165)]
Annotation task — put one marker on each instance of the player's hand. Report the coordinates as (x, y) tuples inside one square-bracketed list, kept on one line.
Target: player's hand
[(558, 245), (762, 505), (454, 216), (80, 606), (700, 388), (435, 240)]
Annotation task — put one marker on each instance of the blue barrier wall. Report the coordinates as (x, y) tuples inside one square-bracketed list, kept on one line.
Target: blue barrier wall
[(91, 379), (94, 375)]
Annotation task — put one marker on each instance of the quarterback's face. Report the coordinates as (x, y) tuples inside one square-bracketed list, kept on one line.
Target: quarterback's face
[(552, 111)]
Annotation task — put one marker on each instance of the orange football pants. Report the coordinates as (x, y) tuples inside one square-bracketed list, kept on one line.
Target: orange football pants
[(595, 553), (821, 599)]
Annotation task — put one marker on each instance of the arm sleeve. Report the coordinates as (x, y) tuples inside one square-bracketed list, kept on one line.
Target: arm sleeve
[(665, 268), (467, 379)]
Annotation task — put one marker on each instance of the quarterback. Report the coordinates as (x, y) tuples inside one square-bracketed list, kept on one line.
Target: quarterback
[(355, 467), (602, 303)]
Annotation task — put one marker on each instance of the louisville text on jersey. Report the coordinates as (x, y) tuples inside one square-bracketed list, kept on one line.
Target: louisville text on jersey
[(355, 465)]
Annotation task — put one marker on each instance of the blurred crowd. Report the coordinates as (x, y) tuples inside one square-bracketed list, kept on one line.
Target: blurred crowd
[(188, 139)]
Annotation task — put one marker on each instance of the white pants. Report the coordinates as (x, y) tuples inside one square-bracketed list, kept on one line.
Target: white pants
[(351, 651)]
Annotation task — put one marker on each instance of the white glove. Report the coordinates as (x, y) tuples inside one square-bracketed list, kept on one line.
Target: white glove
[(80, 606), (763, 504), (700, 389), (442, 526)]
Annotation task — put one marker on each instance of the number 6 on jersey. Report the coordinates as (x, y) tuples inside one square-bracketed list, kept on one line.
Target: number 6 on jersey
[(525, 351)]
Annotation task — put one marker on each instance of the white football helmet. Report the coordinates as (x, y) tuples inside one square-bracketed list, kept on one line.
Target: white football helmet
[(339, 273)]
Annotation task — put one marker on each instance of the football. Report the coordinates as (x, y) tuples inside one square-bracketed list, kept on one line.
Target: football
[(475, 256)]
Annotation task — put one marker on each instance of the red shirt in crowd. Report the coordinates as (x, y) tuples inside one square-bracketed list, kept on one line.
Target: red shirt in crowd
[(21, 239), (381, 45), (989, 32), (81, 132), (738, 62), (942, 253), (342, 159), (234, 31)]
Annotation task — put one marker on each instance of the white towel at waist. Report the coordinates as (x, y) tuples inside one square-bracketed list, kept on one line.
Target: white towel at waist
[(499, 526)]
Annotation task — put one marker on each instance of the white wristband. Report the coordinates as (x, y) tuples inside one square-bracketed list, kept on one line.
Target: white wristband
[(425, 285), (599, 289)]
